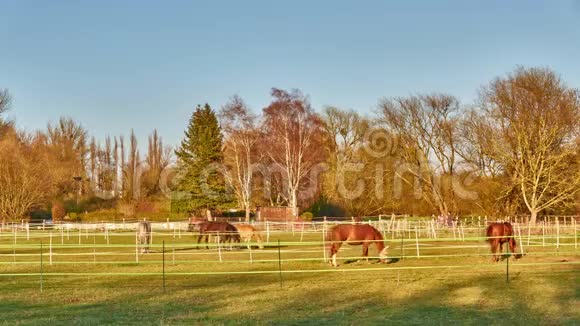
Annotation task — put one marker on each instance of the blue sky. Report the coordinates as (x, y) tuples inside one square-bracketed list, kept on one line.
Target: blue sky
[(117, 65)]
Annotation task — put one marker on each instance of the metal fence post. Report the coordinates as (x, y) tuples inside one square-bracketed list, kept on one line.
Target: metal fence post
[(280, 263), (507, 265)]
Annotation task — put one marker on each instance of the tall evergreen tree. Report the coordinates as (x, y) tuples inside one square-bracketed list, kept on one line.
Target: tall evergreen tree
[(200, 158)]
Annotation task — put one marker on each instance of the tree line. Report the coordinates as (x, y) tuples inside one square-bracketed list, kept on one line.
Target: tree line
[(516, 150)]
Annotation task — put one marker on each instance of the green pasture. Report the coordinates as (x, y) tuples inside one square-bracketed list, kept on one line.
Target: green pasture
[(96, 280)]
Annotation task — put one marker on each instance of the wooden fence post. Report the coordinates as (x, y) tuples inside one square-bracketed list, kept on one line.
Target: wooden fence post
[(41, 268), (219, 242), (543, 233), (529, 231), (417, 241), (136, 248), (557, 234), (521, 242), (575, 234), (50, 248)]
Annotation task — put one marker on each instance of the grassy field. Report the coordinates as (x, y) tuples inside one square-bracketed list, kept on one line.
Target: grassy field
[(452, 282)]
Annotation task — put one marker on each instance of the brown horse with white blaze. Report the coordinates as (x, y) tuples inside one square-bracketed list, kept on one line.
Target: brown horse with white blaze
[(356, 234)]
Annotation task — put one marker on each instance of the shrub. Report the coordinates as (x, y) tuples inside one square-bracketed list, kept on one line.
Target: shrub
[(74, 217), (307, 216), (127, 209)]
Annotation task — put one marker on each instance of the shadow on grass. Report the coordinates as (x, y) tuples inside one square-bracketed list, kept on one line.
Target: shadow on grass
[(321, 299), (474, 301), (130, 310)]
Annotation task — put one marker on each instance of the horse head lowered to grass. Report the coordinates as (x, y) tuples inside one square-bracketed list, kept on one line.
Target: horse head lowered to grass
[(498, 234), (248, 232), (223, 230), (356, 234), (144, 235)]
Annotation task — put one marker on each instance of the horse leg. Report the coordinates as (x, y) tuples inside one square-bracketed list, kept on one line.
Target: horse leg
[(494, 257), (228, 239), (333, 250), (513, 246), (366, 251), (199, 239), (258, 239)]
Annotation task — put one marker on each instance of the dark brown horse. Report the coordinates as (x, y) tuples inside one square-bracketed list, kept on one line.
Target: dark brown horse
[(498, 234), (356, 234), (225, 231)]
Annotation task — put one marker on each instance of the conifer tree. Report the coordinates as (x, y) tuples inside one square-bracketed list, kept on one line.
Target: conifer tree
[(200, 157)]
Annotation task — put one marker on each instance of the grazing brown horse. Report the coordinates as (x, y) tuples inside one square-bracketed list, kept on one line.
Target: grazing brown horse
[(498, 234), (248, 232), (225, 231), (356, 234)]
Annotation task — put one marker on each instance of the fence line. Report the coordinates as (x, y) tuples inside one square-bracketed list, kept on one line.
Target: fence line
[(407, 229), (406, 221), (423, 244), (556, 237), (334, 270), (253, 261)]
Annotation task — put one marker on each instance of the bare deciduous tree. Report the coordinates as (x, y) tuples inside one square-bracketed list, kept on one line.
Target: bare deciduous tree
[(351, 181), (131, 170), (242, 134), (158, 158), (5, 100), (426, 127), (66, 143), (122, 160), (535, 116), (24, 182), (294, 141), (477, 139)]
